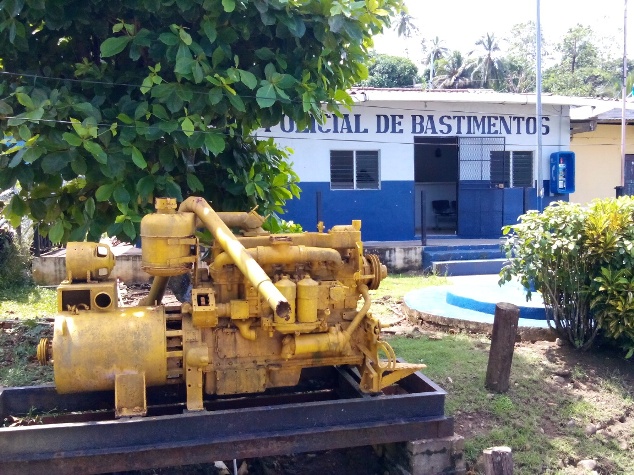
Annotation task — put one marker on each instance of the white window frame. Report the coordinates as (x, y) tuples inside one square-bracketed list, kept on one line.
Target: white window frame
[(355, 159)]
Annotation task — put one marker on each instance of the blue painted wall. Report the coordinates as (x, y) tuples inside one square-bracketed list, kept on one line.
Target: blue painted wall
[(386, 214)]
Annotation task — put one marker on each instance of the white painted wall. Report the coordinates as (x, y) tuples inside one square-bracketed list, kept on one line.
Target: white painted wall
[(363, 130)]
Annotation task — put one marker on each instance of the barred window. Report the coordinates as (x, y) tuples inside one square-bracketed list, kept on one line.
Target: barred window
[(512, 169), (354, 170)]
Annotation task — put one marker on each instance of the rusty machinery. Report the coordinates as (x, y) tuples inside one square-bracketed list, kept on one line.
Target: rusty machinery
[(262, 308)]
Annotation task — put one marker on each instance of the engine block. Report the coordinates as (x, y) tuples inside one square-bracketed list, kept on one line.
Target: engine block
[(261, 308)]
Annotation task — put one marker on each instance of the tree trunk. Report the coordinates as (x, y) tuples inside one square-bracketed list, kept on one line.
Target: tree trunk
[(498, 461), (502, 346)]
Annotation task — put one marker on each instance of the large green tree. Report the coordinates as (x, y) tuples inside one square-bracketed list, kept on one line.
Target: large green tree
[(391, 71), (580, 71), (488, 70), (519, 64), (105, 104), (454, 72)]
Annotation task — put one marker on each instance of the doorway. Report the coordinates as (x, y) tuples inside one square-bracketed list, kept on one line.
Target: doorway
[(628, 189), (436, 179)]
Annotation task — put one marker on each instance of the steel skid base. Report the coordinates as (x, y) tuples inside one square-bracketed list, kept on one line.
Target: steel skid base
[(77, 433)]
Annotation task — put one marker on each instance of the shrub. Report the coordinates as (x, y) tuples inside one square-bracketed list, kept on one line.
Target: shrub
[(581, 259), (14, 261)]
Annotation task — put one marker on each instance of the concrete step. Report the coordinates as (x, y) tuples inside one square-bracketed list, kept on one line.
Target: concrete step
[(433, 254), (468, 267)]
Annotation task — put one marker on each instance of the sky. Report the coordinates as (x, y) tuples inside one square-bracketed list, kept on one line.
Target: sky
[(460, 23)]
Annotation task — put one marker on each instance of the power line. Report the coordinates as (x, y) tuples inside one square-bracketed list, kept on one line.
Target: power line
[(312, 138), (250, 96)]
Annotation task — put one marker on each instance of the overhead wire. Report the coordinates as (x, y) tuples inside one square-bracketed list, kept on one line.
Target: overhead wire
[(293, 135), (253, 96)]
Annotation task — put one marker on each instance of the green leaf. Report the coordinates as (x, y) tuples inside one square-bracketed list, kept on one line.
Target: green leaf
[(185, 37), (137, 158), (104, 192), (24, 132), (217, 57), (215, 96), (169, 126), (169, 39), (342, 96), (284, 81), (78, 165), (56, 233), (159, 111), (38, 210), (141, 110), (17, 158), (25, 100), (236, 102), (33, 116), (5, 109), (264, 54), (248, 79), (89, 207), (53, 163), (72, 139), (121, 195), (215, 143), (194, 183), (114, 45), (96, 151), (145, 186), (210, 31), (184, 60), (32, 154), (197, 72), (128, 228), (126, 119), (266, 95), (229, 5), (187, 127)]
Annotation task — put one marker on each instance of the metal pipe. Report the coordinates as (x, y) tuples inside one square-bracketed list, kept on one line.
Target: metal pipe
[(538, 109), (157, 291), (241, 219), (247, 265), (358, 318), (333, 340), (283, 255), (624, 96)]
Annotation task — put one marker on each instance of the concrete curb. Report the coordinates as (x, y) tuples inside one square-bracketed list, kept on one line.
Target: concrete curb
[(524, 333)]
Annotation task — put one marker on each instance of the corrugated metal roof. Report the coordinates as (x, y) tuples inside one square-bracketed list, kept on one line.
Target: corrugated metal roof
[(602, 111), (370, 94)]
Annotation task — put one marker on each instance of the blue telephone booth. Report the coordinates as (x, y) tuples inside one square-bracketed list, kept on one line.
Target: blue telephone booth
[(562, 173)]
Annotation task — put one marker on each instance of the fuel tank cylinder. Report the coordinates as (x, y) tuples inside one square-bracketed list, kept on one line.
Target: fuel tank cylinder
[(288, 289), (88, 261), (307, 300), (89, 349), (168, 238)]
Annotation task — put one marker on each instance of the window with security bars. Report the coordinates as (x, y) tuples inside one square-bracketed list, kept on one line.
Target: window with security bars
[(512, 169), (354, 170)]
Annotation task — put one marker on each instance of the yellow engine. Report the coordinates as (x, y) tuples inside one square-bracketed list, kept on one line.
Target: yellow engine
[(262, 308)]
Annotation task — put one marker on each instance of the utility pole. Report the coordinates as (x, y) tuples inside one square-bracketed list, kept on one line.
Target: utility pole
[(624, 97), (538, 107)]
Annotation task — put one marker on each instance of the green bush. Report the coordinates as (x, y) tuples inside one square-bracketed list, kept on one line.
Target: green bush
[(14, 261), (581, 259)]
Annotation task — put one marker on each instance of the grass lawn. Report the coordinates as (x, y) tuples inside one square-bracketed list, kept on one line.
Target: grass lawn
[(563, 406)]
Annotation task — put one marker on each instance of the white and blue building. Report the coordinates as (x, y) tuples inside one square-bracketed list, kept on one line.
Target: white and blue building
[(399, 154)]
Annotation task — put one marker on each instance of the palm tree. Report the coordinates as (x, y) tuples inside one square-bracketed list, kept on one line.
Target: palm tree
[(488, 64), (453, 72), (436, 52), (404, 25)]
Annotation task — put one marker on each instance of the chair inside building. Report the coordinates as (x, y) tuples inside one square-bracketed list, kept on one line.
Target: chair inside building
[(444, 213)]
